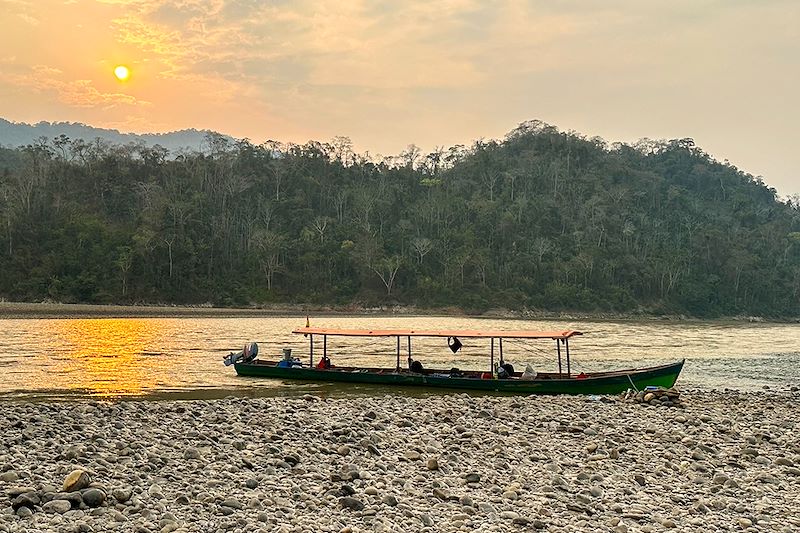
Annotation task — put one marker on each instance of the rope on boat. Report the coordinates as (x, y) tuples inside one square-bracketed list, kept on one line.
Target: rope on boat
[(632, 385), (525, 347), (576, 363)]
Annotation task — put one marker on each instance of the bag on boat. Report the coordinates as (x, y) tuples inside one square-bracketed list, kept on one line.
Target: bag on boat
[(529, 374)]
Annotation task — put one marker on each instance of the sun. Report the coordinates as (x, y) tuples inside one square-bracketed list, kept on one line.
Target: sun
[(122, 72)]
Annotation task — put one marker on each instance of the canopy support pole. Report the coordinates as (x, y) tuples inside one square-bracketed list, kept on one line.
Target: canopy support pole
[(491, 359), (566, 343), (501, 352), (409, 352), (398, 353), (558, 349), (311, 350), (325, 346)]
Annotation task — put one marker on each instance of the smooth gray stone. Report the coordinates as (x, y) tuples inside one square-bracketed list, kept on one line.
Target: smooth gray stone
[(74, 498), (57, 506), (122, 494), (192, 453), (93, 497), (348, 502), (232, 503), (30, 500), (13, 492), (9, 477)]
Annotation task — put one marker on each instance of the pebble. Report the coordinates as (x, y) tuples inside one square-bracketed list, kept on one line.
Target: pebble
[(192, 453), (439, 493), (721, 461), (351, 503), (122, 494), (57, 506), (93, 497), (76, 480)]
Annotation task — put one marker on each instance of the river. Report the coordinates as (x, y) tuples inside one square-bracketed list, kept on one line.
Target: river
[(107, 358)]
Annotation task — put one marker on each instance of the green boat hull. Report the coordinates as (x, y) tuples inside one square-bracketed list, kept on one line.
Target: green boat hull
[(601, 383)]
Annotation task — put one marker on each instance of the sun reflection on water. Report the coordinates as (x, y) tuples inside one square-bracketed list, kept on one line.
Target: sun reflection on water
[(142, 357), (110, 357)]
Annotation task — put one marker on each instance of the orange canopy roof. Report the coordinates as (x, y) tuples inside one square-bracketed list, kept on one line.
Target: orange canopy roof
[(438, 333)]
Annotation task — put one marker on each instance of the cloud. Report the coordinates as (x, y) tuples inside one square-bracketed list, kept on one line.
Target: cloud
[(74, 93), (389, 73), (23, 10), (33, 21), (347, 43), (81, 93)]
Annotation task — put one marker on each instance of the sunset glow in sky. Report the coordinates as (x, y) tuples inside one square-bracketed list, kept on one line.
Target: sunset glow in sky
[(433, 73)]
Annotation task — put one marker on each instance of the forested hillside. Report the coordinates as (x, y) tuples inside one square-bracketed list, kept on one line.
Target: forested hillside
[(544, 220)]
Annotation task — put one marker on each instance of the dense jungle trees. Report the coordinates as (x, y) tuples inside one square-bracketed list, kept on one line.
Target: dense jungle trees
[(541, 220)]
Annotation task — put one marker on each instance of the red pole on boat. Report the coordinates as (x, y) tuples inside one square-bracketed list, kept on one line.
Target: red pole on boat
[(558, 349), (566, 343)]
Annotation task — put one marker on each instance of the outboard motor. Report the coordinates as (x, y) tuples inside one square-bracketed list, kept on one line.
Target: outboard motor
[(248, 354)]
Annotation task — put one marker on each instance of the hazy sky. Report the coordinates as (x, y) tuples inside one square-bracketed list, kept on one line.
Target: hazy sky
[(387, 74)]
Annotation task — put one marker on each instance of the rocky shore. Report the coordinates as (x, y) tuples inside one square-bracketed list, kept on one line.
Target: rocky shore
[(726, 461)]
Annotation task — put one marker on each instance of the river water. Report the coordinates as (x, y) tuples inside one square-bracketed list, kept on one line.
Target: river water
[(105, 358)]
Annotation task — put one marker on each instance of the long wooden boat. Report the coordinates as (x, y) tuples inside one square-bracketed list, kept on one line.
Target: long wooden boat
[(495, 379)]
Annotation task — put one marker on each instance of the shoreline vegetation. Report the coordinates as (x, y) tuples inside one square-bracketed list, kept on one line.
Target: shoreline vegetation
[(16, 310), (542, 220)]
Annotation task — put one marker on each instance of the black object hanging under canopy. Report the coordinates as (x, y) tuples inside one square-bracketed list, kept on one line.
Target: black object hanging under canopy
[(454, 344)]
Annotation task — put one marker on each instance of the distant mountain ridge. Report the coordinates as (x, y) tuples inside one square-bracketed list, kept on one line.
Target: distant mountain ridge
[(16, 134)]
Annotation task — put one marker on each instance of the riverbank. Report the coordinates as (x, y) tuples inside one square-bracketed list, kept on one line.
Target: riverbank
[(728, 461), (61, 310)]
